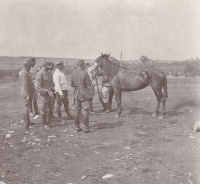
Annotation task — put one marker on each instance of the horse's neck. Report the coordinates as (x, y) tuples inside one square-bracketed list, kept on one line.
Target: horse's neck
[(111, 69)]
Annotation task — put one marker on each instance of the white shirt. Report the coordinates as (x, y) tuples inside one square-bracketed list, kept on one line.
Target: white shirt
[(60, 81), (91, 72)]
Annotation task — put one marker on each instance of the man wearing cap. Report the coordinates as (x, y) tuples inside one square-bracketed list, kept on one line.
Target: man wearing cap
[(44, 85), (33, 105), (61, 89), (27, 90), (80, 80)]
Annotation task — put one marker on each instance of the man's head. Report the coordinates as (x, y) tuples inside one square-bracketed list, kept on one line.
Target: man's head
[(52, 66), (60, 65), (33, 61), (87, 65), (47, 65), (27, 64), (81, 64)]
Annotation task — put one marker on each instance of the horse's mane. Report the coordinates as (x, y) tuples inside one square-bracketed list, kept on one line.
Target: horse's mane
[(114, 61)]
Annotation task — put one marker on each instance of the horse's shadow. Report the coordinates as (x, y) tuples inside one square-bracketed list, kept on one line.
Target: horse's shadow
[(135, 110), (107, 125), (183, 107)]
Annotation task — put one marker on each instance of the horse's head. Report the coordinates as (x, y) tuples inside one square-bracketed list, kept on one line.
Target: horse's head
[(102, 59)]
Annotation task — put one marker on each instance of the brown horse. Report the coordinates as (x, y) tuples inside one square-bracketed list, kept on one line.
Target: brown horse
[(121, 79)]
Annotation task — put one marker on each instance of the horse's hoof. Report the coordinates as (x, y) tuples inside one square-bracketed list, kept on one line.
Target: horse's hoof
[(116, 115)]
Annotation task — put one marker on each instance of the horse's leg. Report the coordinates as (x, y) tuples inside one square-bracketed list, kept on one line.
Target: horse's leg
[(158, 105), (111, 93), (163, 108), (118, 95), (163, 101)]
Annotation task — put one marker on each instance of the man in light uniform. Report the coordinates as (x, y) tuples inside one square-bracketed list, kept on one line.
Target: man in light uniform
[(33, 105), (61, 89)]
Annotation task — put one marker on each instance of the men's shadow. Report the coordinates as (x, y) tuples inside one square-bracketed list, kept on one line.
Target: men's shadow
[(106, 125)]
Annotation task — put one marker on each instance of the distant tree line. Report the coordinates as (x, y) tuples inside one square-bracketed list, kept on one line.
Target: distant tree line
[(192, 67)]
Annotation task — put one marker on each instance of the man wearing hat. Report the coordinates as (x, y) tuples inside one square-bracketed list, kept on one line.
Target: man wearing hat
[(61, 89), (80, 80), (44, 86), (27, 90), (33, 105)]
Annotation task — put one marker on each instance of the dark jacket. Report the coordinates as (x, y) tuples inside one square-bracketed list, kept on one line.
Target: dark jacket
[(80, 80), (44, 82), (28, 87)]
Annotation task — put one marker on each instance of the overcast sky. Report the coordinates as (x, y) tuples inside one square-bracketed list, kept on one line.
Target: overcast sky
[(159, 29)]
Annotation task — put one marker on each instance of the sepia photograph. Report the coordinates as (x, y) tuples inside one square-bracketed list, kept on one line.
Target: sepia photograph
[(100, 92)]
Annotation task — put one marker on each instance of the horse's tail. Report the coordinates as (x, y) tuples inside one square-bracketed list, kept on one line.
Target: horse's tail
[(165, 87)]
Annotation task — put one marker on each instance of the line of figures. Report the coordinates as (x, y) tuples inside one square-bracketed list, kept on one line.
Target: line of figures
[(50, 86)]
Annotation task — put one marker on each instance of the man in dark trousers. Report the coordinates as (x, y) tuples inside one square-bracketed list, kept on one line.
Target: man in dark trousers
[(80, 80), (27, 90), (61, 88), (44, 85)]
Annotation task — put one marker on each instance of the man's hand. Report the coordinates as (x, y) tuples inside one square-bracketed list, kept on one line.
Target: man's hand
[(50, 94)]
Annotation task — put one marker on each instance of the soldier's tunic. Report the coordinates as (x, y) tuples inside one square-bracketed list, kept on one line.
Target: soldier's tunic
[(80, 81), (26, 90), (44, 85)]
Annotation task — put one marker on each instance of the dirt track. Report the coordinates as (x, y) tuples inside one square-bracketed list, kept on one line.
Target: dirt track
[(135, 148)]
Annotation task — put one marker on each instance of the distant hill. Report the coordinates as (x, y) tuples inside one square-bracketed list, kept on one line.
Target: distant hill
[(169, 67), (16, 62)]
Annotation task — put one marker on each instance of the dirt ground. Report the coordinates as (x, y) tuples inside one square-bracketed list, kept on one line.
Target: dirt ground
[(135, 148)]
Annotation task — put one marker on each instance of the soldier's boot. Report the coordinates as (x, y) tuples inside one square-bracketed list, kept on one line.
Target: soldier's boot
[(108, 107), (51, 116), (69, 115), (86, 124), (91, 107), (35, 106), (60, 119), (77, 124), (27, 121), (44, 122), (104, 106)]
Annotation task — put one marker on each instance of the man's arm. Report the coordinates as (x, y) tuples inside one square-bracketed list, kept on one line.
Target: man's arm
[(38, 85), (24, 78), (87, 79), (56, 80)]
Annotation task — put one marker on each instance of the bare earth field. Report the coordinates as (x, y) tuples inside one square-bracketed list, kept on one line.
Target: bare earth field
[(135, 148)]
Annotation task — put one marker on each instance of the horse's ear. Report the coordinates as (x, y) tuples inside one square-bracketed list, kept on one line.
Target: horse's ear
[(101, 54), (108, 55)]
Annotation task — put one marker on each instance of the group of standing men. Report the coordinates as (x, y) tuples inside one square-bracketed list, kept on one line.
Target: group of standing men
[(50, 84)]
